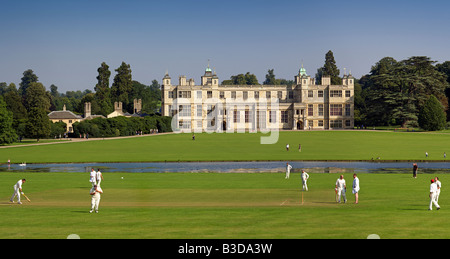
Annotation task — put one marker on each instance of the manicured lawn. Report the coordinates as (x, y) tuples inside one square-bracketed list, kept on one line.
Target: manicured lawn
[(316, 145), (221, 205)]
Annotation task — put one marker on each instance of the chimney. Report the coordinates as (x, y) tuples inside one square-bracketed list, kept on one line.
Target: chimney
[(137, 105), (87, 109), (64, 107)]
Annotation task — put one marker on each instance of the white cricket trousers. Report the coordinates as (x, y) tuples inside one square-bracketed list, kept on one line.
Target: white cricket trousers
[(433, 201), (16, 193), (95, 201), (305, 186), (341, 192)]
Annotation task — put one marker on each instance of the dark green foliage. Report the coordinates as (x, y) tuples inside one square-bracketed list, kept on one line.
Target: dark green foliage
[(7, 133), (432, 115)]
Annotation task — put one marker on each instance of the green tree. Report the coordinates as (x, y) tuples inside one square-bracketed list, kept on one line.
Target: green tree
[(102, 90), (270, 78), (329, 69), (7, 133), (28, 78), (432, 115), (37, 103), (122, 85)]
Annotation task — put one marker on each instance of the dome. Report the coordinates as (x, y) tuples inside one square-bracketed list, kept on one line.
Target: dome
[(302, 71)]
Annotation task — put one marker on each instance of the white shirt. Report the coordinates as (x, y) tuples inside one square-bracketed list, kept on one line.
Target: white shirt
[(433, 188), (356, 184), (18, 185), (438, 184), (305, 176), (93, 175), (288, 168), (99, 176), (340, 183)]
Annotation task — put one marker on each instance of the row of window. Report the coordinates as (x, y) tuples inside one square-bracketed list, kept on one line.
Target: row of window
[(256, 94), (334, 124)]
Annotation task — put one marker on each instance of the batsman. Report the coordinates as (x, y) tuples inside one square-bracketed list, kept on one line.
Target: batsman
[(17, 191)]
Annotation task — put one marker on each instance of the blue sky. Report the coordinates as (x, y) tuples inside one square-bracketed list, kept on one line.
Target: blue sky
[(64, 42)]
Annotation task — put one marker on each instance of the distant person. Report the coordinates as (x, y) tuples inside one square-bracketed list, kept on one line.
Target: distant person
[(305, 177), (98, 177), (288, 170), (438, 185), (299, 147), (95, 200), (287, 147), (193, 136), (93, 177), (18, 190), (341, 188), (445, 155), (433, 190), (355, 187), (426, 154), (415, 168)]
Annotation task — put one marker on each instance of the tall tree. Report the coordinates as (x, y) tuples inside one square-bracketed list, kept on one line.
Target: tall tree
[(122, 85), (432, 115), (37, 103), (270, 78), (329, 69), (28, 78), (7, 133), (102, 90)]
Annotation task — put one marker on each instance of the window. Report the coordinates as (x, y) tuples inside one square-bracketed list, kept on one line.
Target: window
[(310, 123), (256, 95), (199, 111), (320, 123), (233, 94), (236, 115), (310, 93), (336, 110), (279, 94), (248, 116), (310, 110), (336, 93), (171, 94), (184, 110), (320, 93), (222, 95), (199, 124), (184, 94), (337, 124), (291, 94), (209, 94), (268, 94), (245, 95), (347, 93), (284, 117), (272, 116), (321, 110), (199, 94), (347, 110), (347, 123), (184, 124)]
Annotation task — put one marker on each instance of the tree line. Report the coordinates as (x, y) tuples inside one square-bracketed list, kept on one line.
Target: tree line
[(24, 110)]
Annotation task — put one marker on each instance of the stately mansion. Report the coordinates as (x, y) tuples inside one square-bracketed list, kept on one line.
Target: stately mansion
[(303, 106)]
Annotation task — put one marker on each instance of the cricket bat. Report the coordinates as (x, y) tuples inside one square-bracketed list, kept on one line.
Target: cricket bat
[(26, 197)]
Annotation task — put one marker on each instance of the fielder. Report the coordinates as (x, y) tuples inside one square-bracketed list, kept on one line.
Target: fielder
[(305, 177), (341, 188), (438, 184), (93, 177), (355, 187), (98, 177), (288, 170), (95, 200), (433, 190), (17, 191)]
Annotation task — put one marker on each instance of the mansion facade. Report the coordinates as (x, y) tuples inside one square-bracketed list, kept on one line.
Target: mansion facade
[(212, 107)]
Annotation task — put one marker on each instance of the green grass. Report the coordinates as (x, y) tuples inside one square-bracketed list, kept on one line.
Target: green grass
[(221, 205), (316, 145)]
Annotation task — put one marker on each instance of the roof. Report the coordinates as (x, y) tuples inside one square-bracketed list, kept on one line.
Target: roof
[(61, 115)]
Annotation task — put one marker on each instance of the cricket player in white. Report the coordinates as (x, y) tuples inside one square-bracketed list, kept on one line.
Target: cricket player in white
[(17, 191), (95, 200), (355, 187), (341, 188), (305, 177), (438, 184), (288, 170), (93, 177), (433, 190), (98, 177)]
